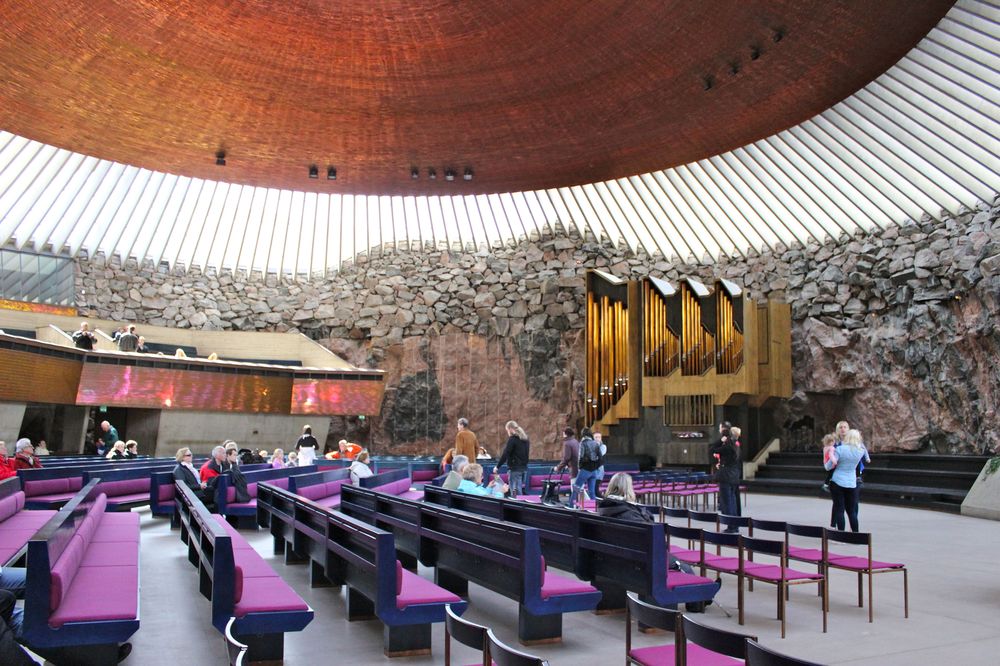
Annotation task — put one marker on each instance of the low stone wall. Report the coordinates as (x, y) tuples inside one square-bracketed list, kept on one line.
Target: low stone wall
[(893, 330)]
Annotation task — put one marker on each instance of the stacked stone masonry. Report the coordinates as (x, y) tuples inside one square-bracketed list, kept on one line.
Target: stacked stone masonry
[(894, 330)]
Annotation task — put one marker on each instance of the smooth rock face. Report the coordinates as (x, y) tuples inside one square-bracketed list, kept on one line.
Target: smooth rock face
[(893, 331)]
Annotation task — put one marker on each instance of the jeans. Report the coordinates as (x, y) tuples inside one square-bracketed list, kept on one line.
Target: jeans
[(586, 478), (845, 500), (517, 479), (599, 476), (727, 499), (12, 580)]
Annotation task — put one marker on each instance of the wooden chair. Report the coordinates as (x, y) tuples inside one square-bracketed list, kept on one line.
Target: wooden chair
[(651, 616), (698, 643), (676, 546), (465, 632), (503, 655), (237, 651), (758, 655), (864, 566), (674, 512), (778, 574)]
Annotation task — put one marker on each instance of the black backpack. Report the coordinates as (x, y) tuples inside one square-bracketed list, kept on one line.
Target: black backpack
[(590, 454)]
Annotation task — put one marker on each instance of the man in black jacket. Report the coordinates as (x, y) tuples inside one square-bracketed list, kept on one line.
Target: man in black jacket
[(726, 460)]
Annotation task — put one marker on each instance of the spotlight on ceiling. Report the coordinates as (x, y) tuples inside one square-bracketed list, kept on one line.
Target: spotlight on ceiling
[(415, 173), (707, 82), (778, 35), (432, 173), (220, 158), (331, 173), (734, 68), (449, 175), (313, 171), (754, 52), (468, 173)]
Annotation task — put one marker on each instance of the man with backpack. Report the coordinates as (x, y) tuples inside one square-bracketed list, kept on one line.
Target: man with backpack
[(591, 461)]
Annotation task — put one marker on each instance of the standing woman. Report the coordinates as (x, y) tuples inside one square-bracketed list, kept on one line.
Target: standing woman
[(515, 455), (306, 447), (844, 489), (724, 450)]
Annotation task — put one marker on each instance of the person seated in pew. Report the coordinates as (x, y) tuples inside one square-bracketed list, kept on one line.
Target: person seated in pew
[(131, 449), (7, 468), (11, 653), (619, 500), (278, 459), (293, 459), (472, 482), (42, 449), (188, 475), (359, 469), (454, 478), (117, 451), (25, 457), (215, 465)]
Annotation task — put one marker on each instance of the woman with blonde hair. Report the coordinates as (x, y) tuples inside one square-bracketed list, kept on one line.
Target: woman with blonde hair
[(359, 468), (117, 452), (619, 500), (278, 459), (843, 460), (515, 456)]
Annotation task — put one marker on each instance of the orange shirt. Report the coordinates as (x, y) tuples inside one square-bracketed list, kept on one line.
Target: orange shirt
[(351, 452)]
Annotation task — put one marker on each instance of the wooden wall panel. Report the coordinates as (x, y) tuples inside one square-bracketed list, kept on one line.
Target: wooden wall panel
[(30, 377)]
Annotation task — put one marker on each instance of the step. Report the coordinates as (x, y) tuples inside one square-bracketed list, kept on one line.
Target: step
[(918, 496)]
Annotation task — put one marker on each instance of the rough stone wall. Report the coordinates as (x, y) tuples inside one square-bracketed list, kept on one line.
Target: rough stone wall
[(893, 330)]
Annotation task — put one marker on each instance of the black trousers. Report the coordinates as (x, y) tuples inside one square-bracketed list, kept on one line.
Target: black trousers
[(845, 500)]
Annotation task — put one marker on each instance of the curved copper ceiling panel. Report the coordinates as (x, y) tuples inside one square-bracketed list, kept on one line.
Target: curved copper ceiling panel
[(530, 95)]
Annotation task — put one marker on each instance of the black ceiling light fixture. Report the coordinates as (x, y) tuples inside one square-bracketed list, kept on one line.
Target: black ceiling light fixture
[(220, 157), (777, 35), (415, 173), (331, 173), (432, 173), (754, 52), (707, 82), (449, 175), (313, 171), (468, 173)]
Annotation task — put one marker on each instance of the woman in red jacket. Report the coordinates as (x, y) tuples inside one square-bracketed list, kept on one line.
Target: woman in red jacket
[(6, 464), (26, 458)]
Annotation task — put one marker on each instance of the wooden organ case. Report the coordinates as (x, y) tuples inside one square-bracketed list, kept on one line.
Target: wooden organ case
[(687, 351)]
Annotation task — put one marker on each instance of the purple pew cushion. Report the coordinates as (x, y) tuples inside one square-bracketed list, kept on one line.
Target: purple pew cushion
[(52, 498), (116, 534), (252, 504), (415, 495), (238, 540), (120, 520), (861, 563), (555, 585), (313, 492), (165, 491), (104, 554), (423, 474), (125, 487), (129, 498), (267, 594), (100, 593), (412, 590), (394, 487), (331, 502), (46, 487), (64, 571), (9, 505), (773, 573), (27, 520)]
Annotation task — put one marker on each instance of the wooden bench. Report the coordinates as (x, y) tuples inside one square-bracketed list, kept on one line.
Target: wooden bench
[(244, 514), (82, 588), (503, 557), (323, 488), (50, 488), (239, 583), (393, 482), (343, 550), (162, 502), (17, 525)]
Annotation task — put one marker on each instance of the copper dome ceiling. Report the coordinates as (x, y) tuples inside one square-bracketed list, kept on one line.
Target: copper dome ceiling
[(528, 94)]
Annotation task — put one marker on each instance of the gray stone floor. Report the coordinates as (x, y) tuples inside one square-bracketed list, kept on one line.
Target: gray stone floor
[(954, 599)]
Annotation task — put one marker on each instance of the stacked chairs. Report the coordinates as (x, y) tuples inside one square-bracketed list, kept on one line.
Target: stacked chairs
[(864, 565), (476, 636), (692, 490), (694, 643)]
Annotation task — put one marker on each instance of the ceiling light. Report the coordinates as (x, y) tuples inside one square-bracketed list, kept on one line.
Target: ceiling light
[(468, 173), (313, 171), (706, 82), (432, 173), (449, 174), (220, 158), (415, 173), (754, 52), (331, 173)]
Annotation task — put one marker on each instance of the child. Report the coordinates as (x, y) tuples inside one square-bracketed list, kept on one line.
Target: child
[(828, 445)]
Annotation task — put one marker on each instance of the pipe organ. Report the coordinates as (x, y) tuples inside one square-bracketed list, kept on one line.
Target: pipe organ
[(648, 341)]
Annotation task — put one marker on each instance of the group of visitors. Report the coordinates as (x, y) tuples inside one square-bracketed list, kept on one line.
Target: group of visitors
[(123, 450), (727, 461), (25, 457), (124, 337), (585, 460)]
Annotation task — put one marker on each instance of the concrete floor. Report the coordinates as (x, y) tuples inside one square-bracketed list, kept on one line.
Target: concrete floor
[(954, 599)]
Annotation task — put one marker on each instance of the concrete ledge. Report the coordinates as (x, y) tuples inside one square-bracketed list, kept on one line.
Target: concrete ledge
[(983, 500)]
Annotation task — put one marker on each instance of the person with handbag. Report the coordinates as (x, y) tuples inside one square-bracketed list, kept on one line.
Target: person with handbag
[(570, 459)]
